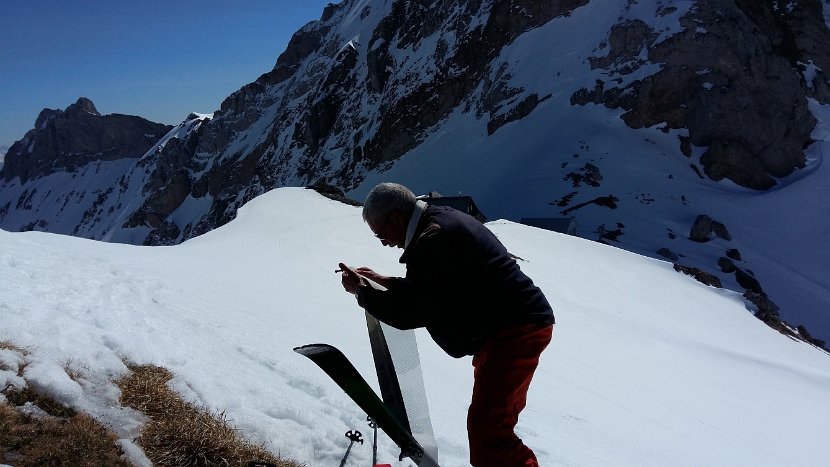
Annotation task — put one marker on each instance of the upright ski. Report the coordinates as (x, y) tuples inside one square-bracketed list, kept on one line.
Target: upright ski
[(390, 388), (341, 370), (400, 379)]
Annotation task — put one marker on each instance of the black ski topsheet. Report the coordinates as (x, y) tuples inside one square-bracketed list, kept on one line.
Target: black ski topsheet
[(341, 370)]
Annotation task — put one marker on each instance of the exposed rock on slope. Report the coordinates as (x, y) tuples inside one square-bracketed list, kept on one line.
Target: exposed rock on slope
[(732, 78)]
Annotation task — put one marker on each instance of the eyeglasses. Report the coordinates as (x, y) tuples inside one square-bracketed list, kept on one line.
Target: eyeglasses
[(381, 237)]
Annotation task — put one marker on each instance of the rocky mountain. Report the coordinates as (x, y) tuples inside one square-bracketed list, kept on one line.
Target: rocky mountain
[(64, 140), (682, 130)]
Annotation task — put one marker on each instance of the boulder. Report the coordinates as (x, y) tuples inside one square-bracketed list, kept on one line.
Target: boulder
[(726, 265), (705, 228), (748, 282)]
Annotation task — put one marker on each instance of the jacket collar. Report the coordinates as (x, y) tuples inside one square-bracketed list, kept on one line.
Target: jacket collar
[(413, 222)]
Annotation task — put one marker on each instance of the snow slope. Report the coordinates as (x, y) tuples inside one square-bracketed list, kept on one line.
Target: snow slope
[(647, 367)]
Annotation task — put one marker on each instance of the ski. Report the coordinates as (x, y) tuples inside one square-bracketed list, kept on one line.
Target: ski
[(345, 375), (401, 383), (390, 388)]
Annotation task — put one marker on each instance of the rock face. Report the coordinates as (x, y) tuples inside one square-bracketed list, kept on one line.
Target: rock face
[(726, 78), (334, 111), (68, 139)]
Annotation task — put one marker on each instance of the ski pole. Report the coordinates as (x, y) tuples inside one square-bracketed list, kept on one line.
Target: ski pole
[(374, 427), (353, 436)]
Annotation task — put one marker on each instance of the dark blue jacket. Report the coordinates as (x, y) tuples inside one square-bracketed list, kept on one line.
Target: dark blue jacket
[(461, 284)]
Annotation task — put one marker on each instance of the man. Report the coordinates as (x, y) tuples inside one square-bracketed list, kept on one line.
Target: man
[(463, 286)]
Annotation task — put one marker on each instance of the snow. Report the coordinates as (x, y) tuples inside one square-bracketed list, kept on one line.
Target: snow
[(180, 131), (647, 366), (809, 71)]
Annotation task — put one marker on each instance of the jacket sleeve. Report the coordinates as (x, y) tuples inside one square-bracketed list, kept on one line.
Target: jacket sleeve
[(397, 306), (410, 302)]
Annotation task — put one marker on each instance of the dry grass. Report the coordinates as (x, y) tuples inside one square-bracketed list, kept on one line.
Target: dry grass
[(181, 434), (77, 440), (10, 346), (178, 434), (63, 437), (18, 397)]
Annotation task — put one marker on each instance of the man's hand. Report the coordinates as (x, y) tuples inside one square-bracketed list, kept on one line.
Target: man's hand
[(351, 279), (374, 277)]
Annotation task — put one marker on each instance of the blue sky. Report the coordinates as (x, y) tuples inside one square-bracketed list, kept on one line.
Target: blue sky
[(157, 59)]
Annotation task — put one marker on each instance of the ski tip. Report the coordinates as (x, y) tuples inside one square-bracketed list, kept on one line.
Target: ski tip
[(313, 349)]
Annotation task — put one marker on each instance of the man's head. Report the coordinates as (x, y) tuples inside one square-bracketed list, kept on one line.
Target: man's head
[(387, 210)]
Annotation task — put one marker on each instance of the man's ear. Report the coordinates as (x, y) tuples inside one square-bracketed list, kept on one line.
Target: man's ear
[(398, 218)]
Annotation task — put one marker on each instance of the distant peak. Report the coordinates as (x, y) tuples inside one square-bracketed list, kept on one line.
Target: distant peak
[(85, 105)]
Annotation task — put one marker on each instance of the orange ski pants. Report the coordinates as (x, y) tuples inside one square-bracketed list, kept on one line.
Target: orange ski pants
[(502, 372)]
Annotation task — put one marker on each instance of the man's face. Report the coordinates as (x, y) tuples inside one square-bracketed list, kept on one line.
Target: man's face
[(392, 231)]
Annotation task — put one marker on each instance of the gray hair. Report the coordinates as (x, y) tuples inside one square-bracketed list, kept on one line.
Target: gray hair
[(385, 198)]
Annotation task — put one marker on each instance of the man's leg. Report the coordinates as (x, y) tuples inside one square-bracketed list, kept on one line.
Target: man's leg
[(503, 370)]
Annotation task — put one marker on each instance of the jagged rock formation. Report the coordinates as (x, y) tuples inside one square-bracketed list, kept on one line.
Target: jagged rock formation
[(335, 111), (64, 140), (97, 170)]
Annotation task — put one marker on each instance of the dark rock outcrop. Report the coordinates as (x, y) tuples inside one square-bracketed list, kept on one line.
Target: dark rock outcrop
[(705, 228), (699, 275), (68, 139), (748, 282), (333, 192), (726, 265), (733, 77)]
